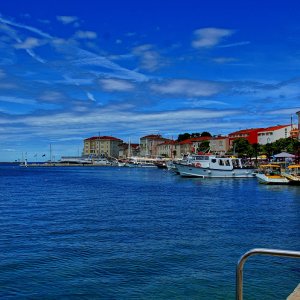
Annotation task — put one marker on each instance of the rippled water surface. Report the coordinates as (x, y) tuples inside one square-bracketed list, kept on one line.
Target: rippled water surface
[(125, 233)]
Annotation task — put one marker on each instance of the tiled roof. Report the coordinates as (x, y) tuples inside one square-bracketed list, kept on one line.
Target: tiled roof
[(168, 142), (273, 128), (244, 131), (153, 136), (110, 138)]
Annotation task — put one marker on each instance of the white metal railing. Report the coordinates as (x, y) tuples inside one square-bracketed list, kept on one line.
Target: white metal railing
[(258, 251)]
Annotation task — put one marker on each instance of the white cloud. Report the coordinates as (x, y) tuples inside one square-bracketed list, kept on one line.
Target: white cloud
[(285, 111), (51, 96), (29, 28), (149, 58), (13, 99), (235, 44), (29, 43), (85, 35), (90, 96), (116, 85), (67, 19), (2, 74), (209, 37), (193, 88), (224, 60)]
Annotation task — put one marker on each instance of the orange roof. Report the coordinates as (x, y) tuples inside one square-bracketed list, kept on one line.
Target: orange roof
[(273, 128), (188, 141), (169, 142), (201, 138), (111, 138), (152, 136), (243, 131)]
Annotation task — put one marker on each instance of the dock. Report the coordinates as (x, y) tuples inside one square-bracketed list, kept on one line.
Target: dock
[(295, 295)]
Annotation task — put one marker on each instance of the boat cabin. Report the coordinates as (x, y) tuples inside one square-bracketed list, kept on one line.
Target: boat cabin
[(270, 169)]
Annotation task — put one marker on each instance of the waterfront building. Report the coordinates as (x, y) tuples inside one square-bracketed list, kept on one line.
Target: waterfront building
[(251, 135), (197, 142), (169, 148), (274, 133), (219, 145), (149, 143), (186, 147), (102, 146), (129, 149)]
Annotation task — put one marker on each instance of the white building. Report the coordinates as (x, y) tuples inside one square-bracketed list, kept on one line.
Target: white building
[(272, 134)]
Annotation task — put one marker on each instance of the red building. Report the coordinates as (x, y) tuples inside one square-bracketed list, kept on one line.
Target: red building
[(251, 135)]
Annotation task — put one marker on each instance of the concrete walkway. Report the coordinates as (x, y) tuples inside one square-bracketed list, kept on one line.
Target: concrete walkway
[(295, 295)]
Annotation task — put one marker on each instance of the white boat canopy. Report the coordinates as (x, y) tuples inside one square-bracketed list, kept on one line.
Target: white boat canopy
[(284, 155)]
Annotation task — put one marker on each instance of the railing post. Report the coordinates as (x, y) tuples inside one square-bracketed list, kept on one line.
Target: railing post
[(257, 251)]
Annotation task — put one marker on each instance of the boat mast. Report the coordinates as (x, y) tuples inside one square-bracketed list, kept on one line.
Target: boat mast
[(50, 153), (129, 146)]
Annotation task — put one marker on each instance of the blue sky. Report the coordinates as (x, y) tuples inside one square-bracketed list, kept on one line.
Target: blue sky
[(132, 68)]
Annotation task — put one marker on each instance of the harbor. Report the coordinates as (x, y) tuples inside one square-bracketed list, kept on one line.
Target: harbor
[(142, 233)]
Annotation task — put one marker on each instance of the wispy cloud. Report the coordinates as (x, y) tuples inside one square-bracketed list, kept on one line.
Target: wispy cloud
[(29, 43), (15, 99), (67, 19), (224, 60), (29, 28), (91, 96), (2, 74), (150, 59), (209, 37), (191, 88), (285, 111), (235, 44), (85, 35), (116, 85)]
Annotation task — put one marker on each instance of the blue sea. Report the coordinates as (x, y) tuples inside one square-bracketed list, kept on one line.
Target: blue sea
[(138, 233)]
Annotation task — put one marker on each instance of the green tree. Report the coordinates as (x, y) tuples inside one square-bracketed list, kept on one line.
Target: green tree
[(184, 136), (203, 147), (205, 133), (241, 147)]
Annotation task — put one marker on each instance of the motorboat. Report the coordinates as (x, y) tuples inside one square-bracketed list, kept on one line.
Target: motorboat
[(211, 166), (137, 161), (271, 174), (292, 173)]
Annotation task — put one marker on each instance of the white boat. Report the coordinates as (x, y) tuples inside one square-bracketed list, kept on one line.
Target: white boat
[(145, 162), (101, 162), (75, 160), (271, 174), (293, 174), (210, 166)]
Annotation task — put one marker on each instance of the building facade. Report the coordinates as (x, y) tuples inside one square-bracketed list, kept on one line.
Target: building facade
[(149, 143), (197, 143), (251, 135), (129, 149), (219, 145), (107, 146), (169, 149), (274, 133)]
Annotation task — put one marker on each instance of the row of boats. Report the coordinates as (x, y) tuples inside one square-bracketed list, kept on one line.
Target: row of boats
[(205, 166), (211, 166)]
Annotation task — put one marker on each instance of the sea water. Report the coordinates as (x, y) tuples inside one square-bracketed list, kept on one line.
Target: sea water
[(138, 233)]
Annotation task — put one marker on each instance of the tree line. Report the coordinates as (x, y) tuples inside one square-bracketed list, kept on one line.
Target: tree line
[(241, 147)]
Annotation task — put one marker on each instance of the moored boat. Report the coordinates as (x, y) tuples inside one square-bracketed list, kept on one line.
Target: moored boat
[(210, 166), (271, 174), (293, 174)]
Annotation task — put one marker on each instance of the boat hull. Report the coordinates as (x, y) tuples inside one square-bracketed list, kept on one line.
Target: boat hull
[(191, 171), (262, 178)]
